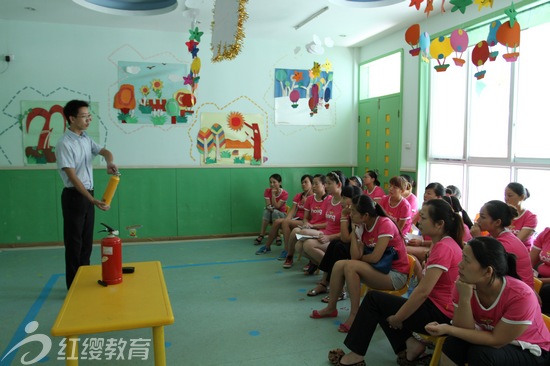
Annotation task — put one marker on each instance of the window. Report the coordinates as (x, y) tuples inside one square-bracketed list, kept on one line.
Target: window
[(380, 77), (483, 134)]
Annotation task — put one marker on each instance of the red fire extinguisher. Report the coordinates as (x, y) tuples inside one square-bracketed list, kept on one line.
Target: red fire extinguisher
[(111, 257)]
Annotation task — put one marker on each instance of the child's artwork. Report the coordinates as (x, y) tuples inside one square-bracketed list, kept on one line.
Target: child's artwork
[(230, 138), (43, 123), (302, 97), (152, 93)]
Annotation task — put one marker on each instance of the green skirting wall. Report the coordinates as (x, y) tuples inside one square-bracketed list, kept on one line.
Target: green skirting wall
[(168, 203)]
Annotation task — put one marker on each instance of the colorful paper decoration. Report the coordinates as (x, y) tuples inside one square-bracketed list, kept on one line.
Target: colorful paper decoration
[(228, 29), (425, 46), (508, 35), (460, 5), (205, 142), (125, 101), (459, 43), (492, 39), (440, 48), (412, 36), (416, 4), (187, 99), (480, 54)]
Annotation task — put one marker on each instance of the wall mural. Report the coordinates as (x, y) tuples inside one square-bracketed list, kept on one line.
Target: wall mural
[(229, 138), (153, 93), (43, 123), (302, 97)]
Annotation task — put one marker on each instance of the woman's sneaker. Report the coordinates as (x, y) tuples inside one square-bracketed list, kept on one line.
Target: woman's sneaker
[(288, 262), (263, 250)]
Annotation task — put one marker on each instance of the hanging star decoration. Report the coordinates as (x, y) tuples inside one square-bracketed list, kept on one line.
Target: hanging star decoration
[(483, 4), (195, 34), (188, 80), (316, 70), (460, 5), (191, 45), (512, 13), (429, 7), (416, 4)]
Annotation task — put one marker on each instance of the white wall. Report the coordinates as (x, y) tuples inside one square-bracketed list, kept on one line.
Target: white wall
[(62, 62)]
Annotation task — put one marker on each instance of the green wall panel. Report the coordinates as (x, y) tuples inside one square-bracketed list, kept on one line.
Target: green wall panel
[(148, 197), (29, 206), (168, 202), (204, 201)]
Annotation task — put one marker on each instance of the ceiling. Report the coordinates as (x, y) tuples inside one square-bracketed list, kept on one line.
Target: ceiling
[(347, 26)]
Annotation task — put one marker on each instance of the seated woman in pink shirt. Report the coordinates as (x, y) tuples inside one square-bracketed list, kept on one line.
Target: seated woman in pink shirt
[(275, 204), (540, 260), (409, 195), (397, 207), (525, 224), (294, 218), (314, 217), (497, 318), (374, 233), (494, 217), (372, 186)]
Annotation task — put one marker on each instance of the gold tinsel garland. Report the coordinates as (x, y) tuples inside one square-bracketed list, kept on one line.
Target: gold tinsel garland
[(231, 51)]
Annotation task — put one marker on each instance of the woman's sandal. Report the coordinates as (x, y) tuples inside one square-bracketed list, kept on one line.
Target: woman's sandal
[(424, 359), (335, 355), (321, 288), (258, 240), (342, 296), (343, 328)]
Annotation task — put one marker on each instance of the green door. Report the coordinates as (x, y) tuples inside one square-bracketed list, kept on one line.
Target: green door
[(379, 137)]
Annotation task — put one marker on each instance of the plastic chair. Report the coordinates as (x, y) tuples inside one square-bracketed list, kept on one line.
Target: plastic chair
[(401, 291), (538, 284)]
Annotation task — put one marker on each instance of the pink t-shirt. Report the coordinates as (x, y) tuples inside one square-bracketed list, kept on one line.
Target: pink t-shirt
[(385, 227), (513, 245), (376, 194), (527, 220), (445, 255), (401, 211), (283, 196), (299, 201), (413, 202), (516, 304), (315, 208), (542, 243), (333, 212)]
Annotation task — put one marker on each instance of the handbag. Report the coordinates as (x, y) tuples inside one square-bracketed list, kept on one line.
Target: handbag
[(385, 262)]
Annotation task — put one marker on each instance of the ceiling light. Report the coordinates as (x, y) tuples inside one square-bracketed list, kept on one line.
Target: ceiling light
[(310, 18), (130, 7)]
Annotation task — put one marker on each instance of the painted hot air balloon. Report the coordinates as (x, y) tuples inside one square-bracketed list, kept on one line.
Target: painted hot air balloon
[(327, 97), (294, 97), (412, 36), (440, 48), (425, 46), (459, 43), (480, 54), (492, 39), (509, 36)]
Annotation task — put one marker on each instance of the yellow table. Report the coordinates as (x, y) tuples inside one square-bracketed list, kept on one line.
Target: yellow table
[(140, 301)]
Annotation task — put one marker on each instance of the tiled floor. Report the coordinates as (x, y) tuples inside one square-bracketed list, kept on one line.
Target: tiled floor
[(231, 308)]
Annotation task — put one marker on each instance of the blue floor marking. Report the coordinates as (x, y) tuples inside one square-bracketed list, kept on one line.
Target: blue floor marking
[(31, 315)]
